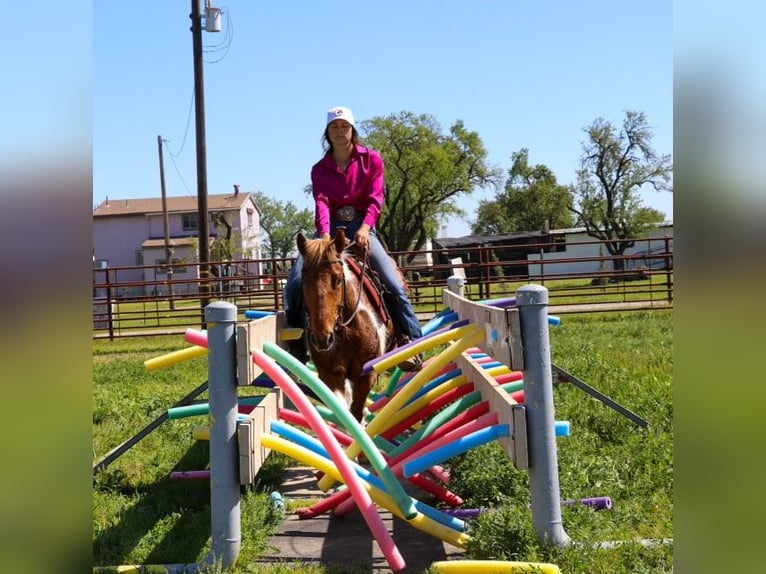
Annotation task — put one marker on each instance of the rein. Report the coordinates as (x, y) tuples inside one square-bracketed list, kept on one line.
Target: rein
[(345, 323)]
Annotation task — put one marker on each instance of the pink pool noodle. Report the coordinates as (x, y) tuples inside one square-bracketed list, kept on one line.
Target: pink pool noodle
[(195, 337), (420, 480), (354, 482), (291, 416)]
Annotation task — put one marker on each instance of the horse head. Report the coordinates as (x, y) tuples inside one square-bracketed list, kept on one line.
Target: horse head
[(323, 286)]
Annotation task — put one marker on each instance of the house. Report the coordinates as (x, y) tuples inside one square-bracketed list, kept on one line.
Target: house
[(130, 233), (581, 252)]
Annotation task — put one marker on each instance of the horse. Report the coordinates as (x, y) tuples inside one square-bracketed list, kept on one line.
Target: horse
[(345, 329)]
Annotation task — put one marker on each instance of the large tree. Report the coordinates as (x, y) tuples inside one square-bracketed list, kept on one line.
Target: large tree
[(615, 165), (532, 199), (426, 171), (282, 221)]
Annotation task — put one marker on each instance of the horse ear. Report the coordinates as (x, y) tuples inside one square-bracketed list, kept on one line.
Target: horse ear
[(340, 240), (301, 243)]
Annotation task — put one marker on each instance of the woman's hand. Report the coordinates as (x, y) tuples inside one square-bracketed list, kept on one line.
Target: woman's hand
[(362, 236)]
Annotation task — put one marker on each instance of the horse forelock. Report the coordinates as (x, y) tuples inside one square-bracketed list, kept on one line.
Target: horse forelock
[(318, 251)]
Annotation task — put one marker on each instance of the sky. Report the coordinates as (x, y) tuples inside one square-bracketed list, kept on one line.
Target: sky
[(521, 74)]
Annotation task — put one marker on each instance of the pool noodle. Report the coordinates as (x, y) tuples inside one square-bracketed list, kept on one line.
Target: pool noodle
[(392, 358), (343, 465), (381, 400), (457, 539), (470, 335), (455, 448), (362, 441), (422, 481), (438, 420), (190, 475), (415, 405), (493, 566), (299, 437), (423, 412), (255, 314), (174, 357), (204, 408)]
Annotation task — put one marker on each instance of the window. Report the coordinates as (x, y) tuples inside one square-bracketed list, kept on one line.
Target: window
[(173, 261), (189, 221), (139, 257), (249, 217)]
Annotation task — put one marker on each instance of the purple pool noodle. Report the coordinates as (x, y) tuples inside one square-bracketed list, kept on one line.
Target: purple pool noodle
[(507, 302), (190, 475), (596, 503), (462, 512), (368, 366)]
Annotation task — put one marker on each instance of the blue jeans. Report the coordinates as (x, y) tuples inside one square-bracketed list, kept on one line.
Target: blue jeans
[(397, 301)]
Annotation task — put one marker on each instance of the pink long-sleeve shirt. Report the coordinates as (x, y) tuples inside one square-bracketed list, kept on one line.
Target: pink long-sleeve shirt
[(360, 186)]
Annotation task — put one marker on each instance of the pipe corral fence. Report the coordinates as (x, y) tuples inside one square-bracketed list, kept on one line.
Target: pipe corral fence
[(513, 332)]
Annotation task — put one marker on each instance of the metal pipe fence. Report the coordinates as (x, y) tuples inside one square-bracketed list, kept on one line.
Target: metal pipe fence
[(147, 300)]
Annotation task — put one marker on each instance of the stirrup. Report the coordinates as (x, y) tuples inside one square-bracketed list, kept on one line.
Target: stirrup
[(411, 363)]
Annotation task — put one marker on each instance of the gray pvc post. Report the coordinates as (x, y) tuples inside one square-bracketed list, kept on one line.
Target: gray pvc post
[(221, 319), (532, 301), (456, 284)]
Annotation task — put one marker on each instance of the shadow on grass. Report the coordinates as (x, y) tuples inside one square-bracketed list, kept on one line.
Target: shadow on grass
[(170, 518)]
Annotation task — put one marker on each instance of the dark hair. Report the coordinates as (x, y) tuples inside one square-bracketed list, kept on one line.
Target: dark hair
[(327, 144)]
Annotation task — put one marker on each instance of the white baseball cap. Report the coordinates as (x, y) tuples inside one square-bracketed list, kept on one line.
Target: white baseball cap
[(340, 113)]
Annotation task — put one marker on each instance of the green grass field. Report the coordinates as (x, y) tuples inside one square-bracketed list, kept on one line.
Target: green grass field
[(141, 517)]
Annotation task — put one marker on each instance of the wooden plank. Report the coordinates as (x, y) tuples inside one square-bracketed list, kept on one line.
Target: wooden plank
[(252, 453), (500, 402), (252, 335), (494, 320)]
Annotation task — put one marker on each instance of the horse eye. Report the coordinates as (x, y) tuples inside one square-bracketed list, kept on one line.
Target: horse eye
[(336, 282)]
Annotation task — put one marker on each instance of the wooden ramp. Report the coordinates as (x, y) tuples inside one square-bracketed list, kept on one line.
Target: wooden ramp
[(347, 542)]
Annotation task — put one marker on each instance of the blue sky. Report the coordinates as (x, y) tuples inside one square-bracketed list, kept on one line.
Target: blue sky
[(521, 74)]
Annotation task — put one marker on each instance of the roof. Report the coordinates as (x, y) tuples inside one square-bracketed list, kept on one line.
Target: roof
[(140, 206), (569, 230), (478, 240), (173, 242)]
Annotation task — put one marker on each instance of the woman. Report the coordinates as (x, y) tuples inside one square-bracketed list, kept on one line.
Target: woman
[(348, 188)]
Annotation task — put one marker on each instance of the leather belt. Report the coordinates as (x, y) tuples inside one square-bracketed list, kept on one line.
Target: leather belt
[(345, 213)]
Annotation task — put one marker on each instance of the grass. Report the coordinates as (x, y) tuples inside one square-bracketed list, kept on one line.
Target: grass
[(140, 516)]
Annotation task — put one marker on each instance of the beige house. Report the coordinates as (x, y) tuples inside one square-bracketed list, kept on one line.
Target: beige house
[(129, 235)]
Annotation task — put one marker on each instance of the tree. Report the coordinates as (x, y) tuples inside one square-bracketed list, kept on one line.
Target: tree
[(426, 171), (532, 199), (613, 168), (282, 221)]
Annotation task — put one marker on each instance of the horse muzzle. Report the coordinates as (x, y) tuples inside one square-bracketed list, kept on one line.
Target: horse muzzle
[(322, 344)]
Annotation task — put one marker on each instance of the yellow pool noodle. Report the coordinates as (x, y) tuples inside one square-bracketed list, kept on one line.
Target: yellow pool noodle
[(175, 357), (492, 567)]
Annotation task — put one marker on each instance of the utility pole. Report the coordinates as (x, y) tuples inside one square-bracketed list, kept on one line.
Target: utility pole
[(199, 108), (168, 251)]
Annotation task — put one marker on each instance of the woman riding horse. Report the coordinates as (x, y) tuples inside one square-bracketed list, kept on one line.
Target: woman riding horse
[(348, 188)]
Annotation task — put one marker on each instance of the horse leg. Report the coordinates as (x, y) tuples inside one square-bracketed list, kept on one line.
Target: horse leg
[(361, 390)]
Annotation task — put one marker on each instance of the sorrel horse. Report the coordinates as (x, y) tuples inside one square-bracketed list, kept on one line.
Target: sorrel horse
[(345, 329)]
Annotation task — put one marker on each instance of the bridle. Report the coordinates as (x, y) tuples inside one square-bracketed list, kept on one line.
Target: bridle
[(340, 323)]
